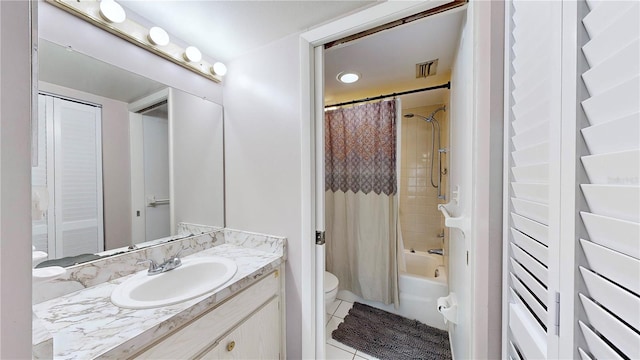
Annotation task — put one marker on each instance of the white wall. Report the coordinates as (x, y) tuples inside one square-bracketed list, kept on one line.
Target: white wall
[(116, 179), (262, 158), (460, 174), (487, 162), (15, 181), (196, 160), (476, 166)]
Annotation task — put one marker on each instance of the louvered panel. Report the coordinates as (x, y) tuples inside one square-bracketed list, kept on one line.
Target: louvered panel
[(534, 100), (619, 168), (584, 355), (531, 228), (604, 16), (536, 85), (616, 201), (78, 178), (615, 103), (536, 287), (527, 296), (619, 235), (532, 210), (613, 136), (532, 192), (614, 38), (531, 246), (615, 331), (513, 351), (534, 111), (598, 347), (532, 118), (531, 173), (533, 136), (528, 335), (616, 69), (531, 264), (593, 4), (39, 177), (534, 155), (615, 266), (617, 300)]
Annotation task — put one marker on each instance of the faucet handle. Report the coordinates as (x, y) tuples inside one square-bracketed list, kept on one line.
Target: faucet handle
[(153, 266)]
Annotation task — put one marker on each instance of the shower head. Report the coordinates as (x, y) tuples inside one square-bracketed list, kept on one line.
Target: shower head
[(410, 115), (430, 118)]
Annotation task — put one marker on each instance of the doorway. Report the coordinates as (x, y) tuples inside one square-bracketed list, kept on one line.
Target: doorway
[(149, 141), (68, 178)]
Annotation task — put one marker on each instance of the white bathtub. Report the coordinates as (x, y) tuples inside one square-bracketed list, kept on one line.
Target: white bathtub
[(420, 288)]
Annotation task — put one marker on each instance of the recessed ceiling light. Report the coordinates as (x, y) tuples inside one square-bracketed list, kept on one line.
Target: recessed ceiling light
[(348, 77), (112, 11), (157, 36), (192, 54)]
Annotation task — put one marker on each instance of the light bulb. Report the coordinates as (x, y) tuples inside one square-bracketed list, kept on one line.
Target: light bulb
[(192, 54), (157, 36), (112, 12), (219, 69)]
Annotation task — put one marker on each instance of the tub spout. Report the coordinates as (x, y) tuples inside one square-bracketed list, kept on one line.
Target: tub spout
[(436, 251)]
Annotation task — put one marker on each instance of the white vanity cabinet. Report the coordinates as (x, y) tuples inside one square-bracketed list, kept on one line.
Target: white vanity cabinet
[(248, 325)]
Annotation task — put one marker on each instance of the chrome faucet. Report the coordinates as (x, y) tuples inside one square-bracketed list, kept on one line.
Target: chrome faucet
[(169, 264), (436, 251)]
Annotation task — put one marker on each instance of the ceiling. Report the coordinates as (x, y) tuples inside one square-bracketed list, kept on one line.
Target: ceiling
[(387, 61), (64, 67), (223, 30)]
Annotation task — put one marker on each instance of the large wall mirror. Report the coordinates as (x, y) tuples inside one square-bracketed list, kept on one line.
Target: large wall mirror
[(119, 159)]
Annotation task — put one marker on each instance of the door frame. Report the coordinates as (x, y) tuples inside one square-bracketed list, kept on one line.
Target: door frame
[(312, 108), (138, 199)]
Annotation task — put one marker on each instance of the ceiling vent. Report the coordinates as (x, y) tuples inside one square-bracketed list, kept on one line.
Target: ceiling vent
[(427, 68)]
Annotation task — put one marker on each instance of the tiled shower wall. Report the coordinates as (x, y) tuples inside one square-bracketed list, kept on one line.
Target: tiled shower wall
[(420, 220)]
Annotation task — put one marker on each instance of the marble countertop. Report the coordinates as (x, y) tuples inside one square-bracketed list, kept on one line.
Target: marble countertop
[(86, 325)]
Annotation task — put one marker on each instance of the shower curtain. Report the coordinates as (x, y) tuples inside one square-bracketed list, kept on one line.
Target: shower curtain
[(361, 199)]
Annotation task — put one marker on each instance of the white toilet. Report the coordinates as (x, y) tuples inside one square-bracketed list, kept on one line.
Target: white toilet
[(330, 288)]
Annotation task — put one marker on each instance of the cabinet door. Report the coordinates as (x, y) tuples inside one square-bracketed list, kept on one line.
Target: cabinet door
[(256, 338)]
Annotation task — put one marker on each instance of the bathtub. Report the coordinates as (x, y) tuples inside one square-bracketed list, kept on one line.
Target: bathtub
[(424, 281)]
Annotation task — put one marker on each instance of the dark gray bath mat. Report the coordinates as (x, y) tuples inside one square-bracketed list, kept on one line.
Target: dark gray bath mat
[(389, 336)]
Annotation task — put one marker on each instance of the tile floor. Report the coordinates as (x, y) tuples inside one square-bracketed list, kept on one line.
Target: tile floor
[(336, 350)]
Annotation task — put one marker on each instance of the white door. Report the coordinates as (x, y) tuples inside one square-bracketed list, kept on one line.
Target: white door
[(155, 126), (77, 169)]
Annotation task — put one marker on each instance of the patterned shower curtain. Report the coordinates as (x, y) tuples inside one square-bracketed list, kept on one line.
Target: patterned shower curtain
[(361, 199)]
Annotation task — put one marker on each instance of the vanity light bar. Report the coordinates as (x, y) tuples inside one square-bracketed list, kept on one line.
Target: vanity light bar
[(139, 35)]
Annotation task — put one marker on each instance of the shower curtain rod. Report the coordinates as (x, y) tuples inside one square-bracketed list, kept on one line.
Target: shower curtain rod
[(443, 86)]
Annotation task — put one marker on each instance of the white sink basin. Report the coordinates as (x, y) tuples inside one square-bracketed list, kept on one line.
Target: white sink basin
[(195, 277)]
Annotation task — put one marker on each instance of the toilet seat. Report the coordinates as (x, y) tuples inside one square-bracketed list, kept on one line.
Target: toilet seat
[(330, 282)]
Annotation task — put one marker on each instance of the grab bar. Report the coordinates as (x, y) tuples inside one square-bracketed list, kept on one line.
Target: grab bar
[(460, 223), (153, 201)]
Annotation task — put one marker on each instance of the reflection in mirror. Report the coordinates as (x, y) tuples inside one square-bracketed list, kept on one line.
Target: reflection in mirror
[(103, 180)]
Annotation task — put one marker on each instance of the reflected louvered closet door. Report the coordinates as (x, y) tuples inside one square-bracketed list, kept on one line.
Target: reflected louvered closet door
[(533, 118), (611, 274)]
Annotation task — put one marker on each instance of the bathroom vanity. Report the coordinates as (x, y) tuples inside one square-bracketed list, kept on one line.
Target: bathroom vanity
[(244, 318)]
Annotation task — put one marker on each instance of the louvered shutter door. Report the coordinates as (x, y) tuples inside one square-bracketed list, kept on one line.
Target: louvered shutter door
[(533, 116), (611, 328), (78, 178)]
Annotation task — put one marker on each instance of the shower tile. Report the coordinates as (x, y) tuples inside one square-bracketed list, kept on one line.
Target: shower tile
[(335, 353), (361, 355), (332, 308), (343, 309), (412, 181)]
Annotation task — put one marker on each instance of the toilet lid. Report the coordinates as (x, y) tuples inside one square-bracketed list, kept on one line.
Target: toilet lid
[(330, 281)]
